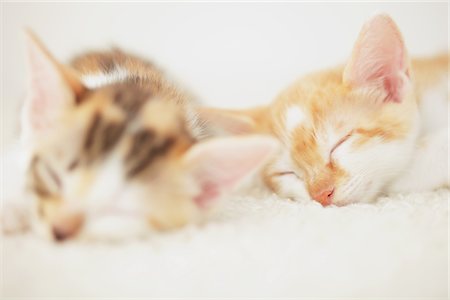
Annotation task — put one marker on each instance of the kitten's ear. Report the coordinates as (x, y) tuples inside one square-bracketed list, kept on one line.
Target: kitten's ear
[(219, 164), (52, 89), (232, 121), (379, 59)]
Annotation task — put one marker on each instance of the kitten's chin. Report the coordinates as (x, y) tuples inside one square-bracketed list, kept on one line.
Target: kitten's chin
[(115, 228)]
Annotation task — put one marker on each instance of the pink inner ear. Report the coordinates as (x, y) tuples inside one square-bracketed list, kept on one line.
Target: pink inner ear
[(45, 88), (209, 192), (218, 165), (379, 59), (49, 94), (393, 86)]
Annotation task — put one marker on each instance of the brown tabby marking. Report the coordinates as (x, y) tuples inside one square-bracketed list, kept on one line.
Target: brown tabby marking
[(145, 149), (130, 97)]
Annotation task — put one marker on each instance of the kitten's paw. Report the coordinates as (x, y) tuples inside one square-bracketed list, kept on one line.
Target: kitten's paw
[(14, 218)]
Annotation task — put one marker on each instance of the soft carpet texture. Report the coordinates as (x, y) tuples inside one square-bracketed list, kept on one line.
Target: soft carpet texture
[(255, 246)]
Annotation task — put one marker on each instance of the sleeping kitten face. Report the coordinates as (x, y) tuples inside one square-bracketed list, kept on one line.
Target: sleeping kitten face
[(348, 132), (102, 161), (120, 158)]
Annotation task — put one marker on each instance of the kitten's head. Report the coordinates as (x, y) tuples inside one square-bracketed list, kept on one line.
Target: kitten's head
[(348, 131), (120, 155)]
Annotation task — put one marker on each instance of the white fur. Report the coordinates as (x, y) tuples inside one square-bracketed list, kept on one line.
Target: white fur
[(434, 107), (430, 167), (100, 79), (294, 116), (372, 167)]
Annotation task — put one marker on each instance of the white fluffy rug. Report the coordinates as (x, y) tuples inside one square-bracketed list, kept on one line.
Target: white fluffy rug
[(258, 247)]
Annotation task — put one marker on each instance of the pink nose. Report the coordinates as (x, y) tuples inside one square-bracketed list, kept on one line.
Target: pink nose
[(66, 224), (324, 196)]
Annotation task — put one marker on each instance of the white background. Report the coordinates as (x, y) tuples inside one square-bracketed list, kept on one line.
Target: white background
[(228, 54)]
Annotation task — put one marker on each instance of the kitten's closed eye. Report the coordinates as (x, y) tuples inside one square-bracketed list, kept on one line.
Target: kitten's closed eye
[(340, 142), (285, 173)]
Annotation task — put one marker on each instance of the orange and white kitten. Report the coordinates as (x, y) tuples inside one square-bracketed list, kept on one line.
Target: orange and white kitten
[(112, 145), (379, 124)]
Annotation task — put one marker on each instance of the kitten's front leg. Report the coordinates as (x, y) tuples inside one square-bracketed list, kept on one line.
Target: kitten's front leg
[(429, 167)]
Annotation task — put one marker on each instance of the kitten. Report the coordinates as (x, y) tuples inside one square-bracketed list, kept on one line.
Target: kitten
[(111, 142), (377, 125)]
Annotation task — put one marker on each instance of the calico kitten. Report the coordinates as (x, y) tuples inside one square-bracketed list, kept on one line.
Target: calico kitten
[(377, 125), (111, 142)]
